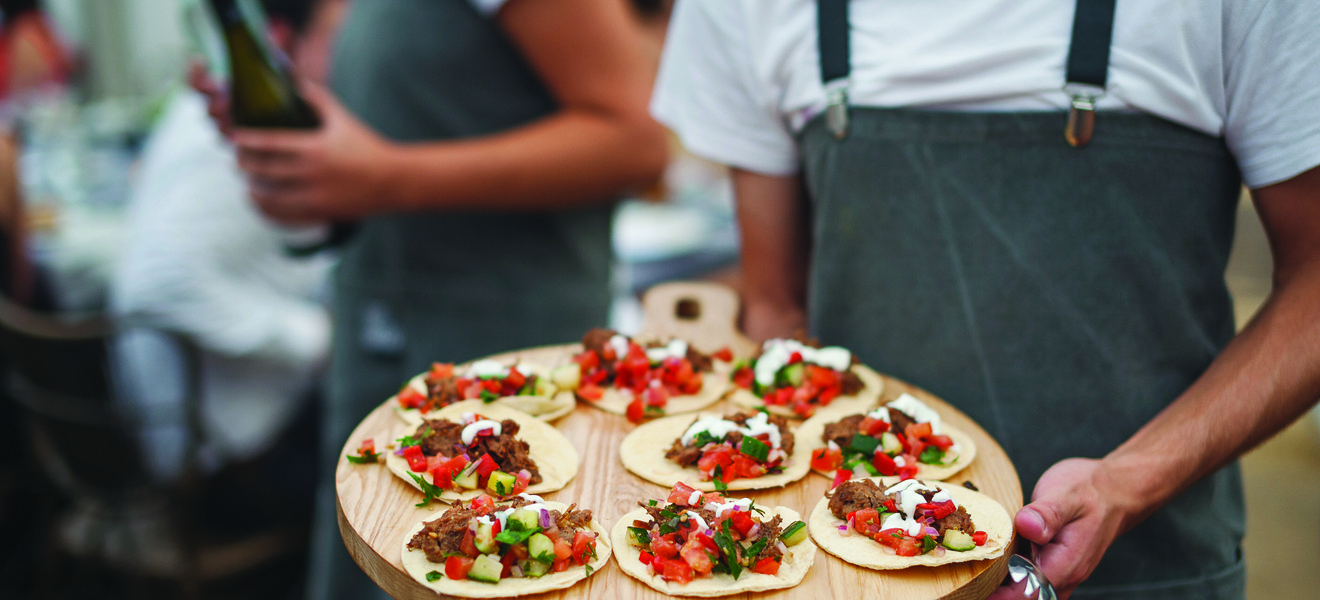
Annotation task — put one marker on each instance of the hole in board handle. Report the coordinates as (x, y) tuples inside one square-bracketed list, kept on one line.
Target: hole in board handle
[(687, 309)]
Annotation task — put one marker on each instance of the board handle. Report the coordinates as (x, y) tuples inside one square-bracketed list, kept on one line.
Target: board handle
[(704, 314)]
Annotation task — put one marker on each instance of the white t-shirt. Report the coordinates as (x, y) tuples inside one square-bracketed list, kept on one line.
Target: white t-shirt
[(739, 77), (201, 261)]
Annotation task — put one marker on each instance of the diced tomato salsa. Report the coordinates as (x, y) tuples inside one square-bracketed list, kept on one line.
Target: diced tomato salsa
[(652, 385)]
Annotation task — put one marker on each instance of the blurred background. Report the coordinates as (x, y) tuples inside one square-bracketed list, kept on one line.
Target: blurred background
[(116, 482)]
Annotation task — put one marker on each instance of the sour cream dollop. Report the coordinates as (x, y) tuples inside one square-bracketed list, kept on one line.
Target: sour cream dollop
[(775, 354), (470, 432), (719, 427), (675, 349), (486, 368), (918, 410)]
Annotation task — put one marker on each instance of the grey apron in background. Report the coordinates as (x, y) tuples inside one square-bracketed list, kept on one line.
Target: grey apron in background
[(1061, 297), (417, 288)]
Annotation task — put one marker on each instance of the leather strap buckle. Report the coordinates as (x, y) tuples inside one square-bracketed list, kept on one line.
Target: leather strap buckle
[(1081, 115)]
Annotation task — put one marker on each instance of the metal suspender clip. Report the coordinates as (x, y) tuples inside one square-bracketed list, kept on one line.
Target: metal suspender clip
[(836, 108), (1081, 117)]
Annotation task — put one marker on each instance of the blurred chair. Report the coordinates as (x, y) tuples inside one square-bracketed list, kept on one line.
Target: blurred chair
[(60, 372)]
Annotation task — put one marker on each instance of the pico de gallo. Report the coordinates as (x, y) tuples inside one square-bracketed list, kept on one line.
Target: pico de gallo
[(697, 534), (890, 440), (473, 454), (651, 374), (742, 445), (487, 380), (908, 518), (798, 375), (523, 538)]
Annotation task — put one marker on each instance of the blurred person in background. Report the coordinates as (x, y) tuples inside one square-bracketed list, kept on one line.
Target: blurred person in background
[(31, 53), (202, 262), (480, 145)]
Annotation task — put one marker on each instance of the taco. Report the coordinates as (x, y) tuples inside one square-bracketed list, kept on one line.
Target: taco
[(643, 379), (696, 544), (904, 438), (521, 385), (796, 379), (741, 451), (466, 449), (524, 546), (900, 524)]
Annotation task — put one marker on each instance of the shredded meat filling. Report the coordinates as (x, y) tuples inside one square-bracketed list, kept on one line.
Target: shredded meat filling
[(686, 455), (855, 495), (444, 438)]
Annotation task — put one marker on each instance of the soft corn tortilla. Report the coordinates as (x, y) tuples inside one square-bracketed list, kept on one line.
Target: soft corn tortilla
[(714, 386), (797, 561), (545, 408), (813, 428), (987, 514), (555, 456), (872, 386), (416, 564), (643, 453)]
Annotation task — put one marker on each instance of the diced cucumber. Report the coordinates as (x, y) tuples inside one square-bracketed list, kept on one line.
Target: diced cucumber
[(526, 519), (535, 569), (567, 377), (794, 534), (889, 444), (467, 478), (487, 568), (501, 483), (864, 444), (484, 540), (639, 537), (957, 540), (541, 548), (862, 461), (543, 387), (792, 374)]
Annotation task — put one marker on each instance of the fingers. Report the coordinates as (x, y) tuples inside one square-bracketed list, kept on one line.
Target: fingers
[(277, 168), (287, 204)]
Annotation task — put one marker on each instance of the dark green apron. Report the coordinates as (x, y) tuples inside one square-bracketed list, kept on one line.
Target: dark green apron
[(1059, 296), (445, 286)]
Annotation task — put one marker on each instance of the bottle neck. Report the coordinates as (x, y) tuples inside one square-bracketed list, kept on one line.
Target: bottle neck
[(227, 11)]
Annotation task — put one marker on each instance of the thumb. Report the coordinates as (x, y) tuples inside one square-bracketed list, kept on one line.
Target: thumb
[(1041, 520)]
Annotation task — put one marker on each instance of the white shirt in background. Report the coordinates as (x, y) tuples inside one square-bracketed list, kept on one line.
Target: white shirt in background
[(201, 261), (740, 77)]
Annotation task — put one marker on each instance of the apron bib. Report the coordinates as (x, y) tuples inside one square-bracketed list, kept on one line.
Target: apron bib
[(1059, 296)]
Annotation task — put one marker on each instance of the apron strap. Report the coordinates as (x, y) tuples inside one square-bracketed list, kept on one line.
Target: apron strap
[(1088, 66), (835, 62)]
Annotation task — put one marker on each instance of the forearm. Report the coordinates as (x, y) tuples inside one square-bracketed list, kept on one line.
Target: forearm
[(772, 217), (1262, 381), (572, 158)]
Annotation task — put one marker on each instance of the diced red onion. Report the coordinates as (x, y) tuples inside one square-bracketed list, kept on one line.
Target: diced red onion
[(516, 571), (546, 522), (755, 528), (931, 531), (398, 452), (782, 548), (860, 472)]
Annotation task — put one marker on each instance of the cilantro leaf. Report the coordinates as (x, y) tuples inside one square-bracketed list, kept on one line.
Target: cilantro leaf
[(510, 536), (931, 456), (365, 459), (431, 491), (434, 576), (717, 478), (589, 570)]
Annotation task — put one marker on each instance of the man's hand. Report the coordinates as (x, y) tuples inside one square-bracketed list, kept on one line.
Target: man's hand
[(1075, 513), (217, 98), (334, 173)]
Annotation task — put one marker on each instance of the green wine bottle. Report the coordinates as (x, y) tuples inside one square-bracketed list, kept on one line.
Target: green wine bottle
[(262, 93)]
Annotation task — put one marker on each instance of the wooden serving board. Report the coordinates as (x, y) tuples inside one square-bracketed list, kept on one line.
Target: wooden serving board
[(376, 509)]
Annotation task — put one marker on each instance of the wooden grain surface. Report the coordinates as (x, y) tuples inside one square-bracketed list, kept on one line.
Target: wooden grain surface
[(376, 508)]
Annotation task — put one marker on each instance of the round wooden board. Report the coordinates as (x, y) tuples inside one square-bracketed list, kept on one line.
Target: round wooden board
[(375, 507)]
